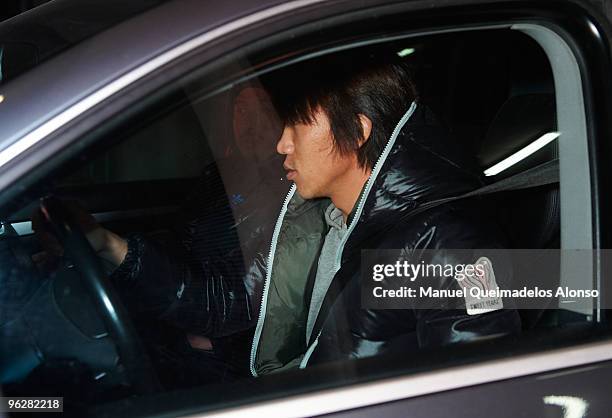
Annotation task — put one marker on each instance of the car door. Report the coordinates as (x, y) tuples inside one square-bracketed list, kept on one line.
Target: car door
[(98, 145)]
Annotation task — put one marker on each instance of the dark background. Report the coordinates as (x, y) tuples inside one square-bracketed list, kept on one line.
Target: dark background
[(10, 8)]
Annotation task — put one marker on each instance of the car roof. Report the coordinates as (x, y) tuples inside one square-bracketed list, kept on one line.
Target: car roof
[(50, 28), (58, 83)]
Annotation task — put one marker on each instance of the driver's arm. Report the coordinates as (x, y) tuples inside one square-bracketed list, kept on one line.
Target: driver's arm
[(108, 245), (195, 275), (105, 243)]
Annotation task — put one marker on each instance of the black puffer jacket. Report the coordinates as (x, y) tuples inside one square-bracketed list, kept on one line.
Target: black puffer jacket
[(418, 165)]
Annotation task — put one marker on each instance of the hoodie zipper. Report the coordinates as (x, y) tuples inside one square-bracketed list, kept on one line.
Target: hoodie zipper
[(264, 296), (375, 171)]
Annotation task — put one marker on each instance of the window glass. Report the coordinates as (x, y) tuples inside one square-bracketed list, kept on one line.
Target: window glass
[(171, 147), (236, 253)]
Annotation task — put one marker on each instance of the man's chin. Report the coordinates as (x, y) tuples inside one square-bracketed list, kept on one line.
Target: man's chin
[(307, 194), (304, 194)]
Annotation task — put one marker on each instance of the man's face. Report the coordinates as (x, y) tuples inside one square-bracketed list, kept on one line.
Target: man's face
[(311, 161)]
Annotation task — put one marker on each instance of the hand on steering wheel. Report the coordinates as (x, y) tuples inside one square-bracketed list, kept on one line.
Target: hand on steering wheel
[(52, 248), (71, 240)]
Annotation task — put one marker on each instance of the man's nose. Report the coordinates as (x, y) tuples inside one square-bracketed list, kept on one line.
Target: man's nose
[(285, 143)]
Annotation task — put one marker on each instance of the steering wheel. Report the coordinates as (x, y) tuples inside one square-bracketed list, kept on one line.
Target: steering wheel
[(106, 301)]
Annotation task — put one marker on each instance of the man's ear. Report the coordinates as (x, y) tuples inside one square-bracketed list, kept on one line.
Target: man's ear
[(366, 128)]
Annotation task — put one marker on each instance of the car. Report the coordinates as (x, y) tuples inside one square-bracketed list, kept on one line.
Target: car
[(130, 108)]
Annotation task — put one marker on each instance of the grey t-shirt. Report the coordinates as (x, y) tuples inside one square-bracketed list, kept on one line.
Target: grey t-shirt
[(326, 265)]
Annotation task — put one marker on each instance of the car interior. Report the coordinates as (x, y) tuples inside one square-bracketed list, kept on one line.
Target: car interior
[(492, 89)]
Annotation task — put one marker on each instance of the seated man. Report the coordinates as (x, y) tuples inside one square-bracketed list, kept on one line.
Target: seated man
[(362, 154)]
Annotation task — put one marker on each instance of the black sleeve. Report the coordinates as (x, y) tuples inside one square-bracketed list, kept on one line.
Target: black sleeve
[(194, 276)]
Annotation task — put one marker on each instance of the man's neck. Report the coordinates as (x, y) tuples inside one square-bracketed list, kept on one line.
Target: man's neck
[(349, 189)]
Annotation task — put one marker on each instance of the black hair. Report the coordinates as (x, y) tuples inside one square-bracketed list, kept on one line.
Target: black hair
[(345, 85)]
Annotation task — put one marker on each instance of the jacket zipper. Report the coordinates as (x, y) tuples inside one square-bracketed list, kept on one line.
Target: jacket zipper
[(264, 296), (338, 261)]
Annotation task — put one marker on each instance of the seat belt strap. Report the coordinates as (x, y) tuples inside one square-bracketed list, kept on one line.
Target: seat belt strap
[(540, 175)]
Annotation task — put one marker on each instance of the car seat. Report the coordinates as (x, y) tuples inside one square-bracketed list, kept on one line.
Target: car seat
[(529, 217)]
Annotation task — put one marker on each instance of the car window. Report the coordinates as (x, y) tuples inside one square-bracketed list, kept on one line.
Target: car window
[(233, 238), (174, 146)]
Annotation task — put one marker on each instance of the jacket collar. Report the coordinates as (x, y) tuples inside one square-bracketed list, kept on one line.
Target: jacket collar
[(423, 164)]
